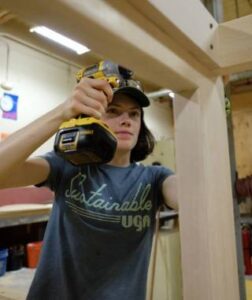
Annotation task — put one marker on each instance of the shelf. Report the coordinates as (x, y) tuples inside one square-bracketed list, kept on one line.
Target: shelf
[(17, 214), (168, 215), (246, 220)]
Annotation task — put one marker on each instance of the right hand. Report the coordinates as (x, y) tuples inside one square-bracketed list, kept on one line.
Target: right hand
[(89, 97)]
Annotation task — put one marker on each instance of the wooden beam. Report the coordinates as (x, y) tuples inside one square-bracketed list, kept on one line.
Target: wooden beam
[(162, 28), (207, 228), (188, 27), (235, 41), (105, 30), (211, 48), (146, 16)]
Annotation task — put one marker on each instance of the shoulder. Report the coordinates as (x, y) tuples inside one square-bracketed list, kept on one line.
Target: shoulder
[(58, 165), (156, 170), (154, 174)]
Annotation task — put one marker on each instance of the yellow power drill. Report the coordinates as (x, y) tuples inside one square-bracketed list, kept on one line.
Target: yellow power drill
[(87, 140)]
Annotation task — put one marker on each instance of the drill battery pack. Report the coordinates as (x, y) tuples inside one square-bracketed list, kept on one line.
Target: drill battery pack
[(85, 140)]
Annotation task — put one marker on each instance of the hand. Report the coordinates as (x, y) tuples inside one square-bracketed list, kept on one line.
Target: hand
[(90, 97)]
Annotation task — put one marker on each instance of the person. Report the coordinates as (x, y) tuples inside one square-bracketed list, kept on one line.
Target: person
[(98, 239)]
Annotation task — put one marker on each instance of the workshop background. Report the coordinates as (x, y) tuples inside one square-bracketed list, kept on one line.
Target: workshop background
[(37, 75)]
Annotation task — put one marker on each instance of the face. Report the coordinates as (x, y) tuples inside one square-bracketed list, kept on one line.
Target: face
[(123, 116)]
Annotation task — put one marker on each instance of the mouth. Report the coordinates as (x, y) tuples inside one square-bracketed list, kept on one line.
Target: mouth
[(124, 133)]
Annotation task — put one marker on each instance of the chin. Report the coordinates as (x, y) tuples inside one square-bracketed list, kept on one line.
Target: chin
[(125, 146)]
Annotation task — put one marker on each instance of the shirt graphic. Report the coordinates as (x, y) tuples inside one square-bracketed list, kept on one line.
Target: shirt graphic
[(133, 212)]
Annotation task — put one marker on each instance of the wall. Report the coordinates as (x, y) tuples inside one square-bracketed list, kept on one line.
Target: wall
[(242, 126), (40, 81), (231, 10), (159, 118)]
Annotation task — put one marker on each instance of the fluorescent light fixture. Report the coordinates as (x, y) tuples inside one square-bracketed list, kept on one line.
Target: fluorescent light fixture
[(61, 39), (171, 94), (161, 93)]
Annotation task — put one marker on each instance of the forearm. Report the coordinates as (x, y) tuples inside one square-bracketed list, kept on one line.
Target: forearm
[(88, 97), (21, 144)]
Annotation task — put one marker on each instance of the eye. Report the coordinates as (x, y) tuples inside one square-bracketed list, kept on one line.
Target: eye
[(112, 112), (135, 114)]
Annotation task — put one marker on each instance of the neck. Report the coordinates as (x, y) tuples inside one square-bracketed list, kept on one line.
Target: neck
[(120, 159)]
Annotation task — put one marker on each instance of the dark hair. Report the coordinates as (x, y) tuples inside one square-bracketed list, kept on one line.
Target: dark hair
[(145, 143)]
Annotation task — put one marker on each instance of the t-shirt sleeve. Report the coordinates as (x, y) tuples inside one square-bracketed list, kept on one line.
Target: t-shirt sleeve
[(160, 174), (57, 165)]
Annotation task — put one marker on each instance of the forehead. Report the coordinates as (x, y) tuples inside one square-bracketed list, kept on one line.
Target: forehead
[(124, 100)]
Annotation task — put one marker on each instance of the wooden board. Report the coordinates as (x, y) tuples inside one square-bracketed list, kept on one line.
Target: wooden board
[(235, 42), (14, 285), (17, 210), (242, 129), (207, 226), (242, 124)]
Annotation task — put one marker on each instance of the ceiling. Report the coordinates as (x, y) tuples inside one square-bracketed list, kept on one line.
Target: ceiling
[(16, 28)]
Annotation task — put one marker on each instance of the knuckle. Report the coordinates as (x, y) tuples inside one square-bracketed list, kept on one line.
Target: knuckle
[(84, 80), (102, 97), (97, 105), (76, 94), (92, 112)]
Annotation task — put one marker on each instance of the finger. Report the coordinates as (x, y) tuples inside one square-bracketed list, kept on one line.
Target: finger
[(91, 112), (85, 101), (108, 92), (103, 85), (98, 95), (81, 92), (94, 104)]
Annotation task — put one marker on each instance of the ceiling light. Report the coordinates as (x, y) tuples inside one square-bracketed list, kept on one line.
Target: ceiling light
[(171, 94), (61, 39), (161, 93)]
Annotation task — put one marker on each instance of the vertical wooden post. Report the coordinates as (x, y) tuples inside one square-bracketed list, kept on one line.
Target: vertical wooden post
[(209, 261)]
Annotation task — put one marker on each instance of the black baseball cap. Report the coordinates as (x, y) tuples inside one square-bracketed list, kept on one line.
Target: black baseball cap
[(133, 89)]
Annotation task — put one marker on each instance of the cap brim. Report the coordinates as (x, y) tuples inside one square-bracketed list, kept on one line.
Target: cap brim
[(136, 94)]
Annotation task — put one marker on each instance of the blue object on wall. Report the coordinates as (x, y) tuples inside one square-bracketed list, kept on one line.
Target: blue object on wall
[(8, 105)]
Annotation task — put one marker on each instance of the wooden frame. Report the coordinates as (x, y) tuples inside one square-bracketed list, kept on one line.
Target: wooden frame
[(178, 45)]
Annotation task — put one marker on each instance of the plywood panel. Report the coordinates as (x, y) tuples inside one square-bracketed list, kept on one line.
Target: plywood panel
[(242, 127), (242, 124)]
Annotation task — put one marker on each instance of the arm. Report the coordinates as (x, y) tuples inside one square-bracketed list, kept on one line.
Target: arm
[(169, 190), (89, 97)]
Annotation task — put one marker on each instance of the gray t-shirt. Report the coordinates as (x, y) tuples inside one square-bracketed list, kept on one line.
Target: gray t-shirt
[(98, 240)]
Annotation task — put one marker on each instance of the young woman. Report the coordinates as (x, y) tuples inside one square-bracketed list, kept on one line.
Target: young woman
[(98, 240)]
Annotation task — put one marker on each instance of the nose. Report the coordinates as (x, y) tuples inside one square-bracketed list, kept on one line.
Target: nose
[(125, 119)]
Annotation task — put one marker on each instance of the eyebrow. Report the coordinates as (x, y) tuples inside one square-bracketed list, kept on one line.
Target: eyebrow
[(118, 105)]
